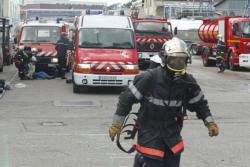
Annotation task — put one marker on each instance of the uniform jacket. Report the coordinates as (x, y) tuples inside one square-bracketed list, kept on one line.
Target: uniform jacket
[(61, 47), (162, 96)]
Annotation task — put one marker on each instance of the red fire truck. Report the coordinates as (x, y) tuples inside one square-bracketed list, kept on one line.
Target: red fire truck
[(42, 35), (105, 53), (235, 32), (151, 34)]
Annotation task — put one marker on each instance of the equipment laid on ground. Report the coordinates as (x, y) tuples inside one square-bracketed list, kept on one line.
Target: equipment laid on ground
[(2, 85)]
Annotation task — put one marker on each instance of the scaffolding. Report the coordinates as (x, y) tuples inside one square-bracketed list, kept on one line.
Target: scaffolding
[(195, 9), (208, 5), (247, 9)]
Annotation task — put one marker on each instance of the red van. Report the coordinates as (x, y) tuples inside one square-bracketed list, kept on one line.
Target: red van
[(105, 53)]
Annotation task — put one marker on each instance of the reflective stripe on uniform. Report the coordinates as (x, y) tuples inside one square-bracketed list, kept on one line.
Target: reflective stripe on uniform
[(149, 151), (196, 98), (161, 102), (178, 147), (209, 119), (118, 119), (135, 92)]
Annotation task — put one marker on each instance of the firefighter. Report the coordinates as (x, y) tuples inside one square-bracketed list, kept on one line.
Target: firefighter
[(220, 51), (164, 93), (61, 47), (155, 61), (22, 58)]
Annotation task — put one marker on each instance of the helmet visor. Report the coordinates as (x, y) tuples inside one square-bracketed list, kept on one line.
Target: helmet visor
[(177, 62)]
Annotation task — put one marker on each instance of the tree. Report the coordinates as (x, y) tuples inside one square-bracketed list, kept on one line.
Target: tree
[(128, 5)]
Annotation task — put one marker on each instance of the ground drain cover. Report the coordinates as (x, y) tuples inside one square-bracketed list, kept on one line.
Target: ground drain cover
[(75, 104), (52, 124)]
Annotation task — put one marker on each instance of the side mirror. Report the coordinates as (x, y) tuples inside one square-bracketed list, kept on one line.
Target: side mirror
[(175, 31)]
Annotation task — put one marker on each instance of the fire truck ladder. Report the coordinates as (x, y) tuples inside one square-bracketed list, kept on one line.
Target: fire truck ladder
[(208, 7)]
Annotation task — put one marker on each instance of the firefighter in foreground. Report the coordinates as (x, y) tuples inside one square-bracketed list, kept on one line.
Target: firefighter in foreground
[(220, 50), (164, 93), (62, 47)]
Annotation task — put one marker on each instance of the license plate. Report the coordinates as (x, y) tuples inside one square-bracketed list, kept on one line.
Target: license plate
[(244, 60), (107, 78)]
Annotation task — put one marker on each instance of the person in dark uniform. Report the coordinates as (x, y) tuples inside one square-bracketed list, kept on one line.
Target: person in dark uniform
[(220, 51), (21, 59), (164, 93), (155, 61), (62, 47)]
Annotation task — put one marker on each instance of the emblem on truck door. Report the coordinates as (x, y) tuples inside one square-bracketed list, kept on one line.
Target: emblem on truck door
[(152, 46)]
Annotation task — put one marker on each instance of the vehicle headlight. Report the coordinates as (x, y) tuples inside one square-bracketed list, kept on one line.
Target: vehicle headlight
[(131, 67), (83, 66), (34, 50), (54, 60)]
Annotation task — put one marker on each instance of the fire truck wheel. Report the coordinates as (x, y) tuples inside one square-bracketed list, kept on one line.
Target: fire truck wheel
[(76, 89), (205, 54)]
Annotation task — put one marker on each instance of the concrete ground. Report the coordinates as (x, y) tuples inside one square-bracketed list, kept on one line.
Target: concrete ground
[(44, 124)]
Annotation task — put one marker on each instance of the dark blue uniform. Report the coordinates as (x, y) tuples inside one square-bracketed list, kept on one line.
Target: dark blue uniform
[(220, 52), (163, 98), (62, 47)]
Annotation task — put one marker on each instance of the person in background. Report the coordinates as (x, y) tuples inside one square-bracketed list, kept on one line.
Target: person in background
[(21, 59), (220, 51), (32, 74), (62, 47), (155, 61)]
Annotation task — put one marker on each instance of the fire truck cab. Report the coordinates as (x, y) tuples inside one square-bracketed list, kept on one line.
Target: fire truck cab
[(42, 36), (151, 34), (105, 53), (235, 32)]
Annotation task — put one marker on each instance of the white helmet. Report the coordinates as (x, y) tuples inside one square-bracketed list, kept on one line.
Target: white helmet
[(175, 55), (219, 36), (33, 59)]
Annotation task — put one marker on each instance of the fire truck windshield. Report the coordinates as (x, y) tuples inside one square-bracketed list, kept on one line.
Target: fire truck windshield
[(106, 38), (35, 34), (245, 29), (152, 28)]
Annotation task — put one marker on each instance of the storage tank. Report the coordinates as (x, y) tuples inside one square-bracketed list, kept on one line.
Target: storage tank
[(208, 31)]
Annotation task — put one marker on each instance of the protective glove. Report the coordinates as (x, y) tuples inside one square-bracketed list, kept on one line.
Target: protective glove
[(213, 129), (114, 130)]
